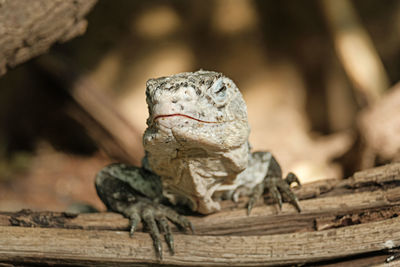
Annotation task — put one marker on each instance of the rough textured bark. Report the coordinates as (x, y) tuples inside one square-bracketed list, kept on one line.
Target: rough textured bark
[(353, 221), (66, 246), (29, 28)]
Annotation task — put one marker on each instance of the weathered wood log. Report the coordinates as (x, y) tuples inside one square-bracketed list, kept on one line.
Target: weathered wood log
[(74, 246), (29, 28), (349, 221)]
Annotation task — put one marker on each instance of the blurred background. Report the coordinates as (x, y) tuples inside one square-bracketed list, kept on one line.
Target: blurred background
[(319, 79)]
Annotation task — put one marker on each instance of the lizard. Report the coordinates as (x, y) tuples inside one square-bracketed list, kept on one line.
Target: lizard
[(196, 153)]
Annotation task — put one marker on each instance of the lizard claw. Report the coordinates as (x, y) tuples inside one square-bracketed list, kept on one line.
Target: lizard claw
[(279, 187), (292, 178), (276, 186), (258, 190), (156, 216), (191, 227), (140, 203), (134, 220), (169, 238)]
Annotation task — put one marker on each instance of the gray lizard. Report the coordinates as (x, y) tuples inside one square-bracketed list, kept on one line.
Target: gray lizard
[(197, 152)]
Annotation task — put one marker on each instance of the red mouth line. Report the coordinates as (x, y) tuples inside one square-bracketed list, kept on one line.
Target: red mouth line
[(182, 115)]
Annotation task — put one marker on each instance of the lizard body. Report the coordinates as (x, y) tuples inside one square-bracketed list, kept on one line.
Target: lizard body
[(197, 151)]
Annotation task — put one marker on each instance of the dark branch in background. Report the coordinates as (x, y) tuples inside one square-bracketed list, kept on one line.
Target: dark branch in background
[(377, 139), (356, 50), (30, 28), (95, 111)]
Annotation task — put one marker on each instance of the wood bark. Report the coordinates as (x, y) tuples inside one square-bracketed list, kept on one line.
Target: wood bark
[(30, 28), (353, 221)]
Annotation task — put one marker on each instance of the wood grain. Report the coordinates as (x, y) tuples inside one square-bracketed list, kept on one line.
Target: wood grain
[(353, 221), (29, 28), (75, 246)]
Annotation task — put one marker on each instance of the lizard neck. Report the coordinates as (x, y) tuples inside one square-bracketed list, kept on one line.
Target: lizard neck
[(191, 176)]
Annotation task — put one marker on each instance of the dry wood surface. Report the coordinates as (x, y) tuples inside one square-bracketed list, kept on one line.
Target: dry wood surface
[(353, 221), (29, 28)]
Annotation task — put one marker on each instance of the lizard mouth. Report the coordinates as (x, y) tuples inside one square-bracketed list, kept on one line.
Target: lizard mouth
[(181, 115)]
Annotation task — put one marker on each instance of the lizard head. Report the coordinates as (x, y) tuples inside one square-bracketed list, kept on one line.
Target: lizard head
[(197, 134), (198, 108)]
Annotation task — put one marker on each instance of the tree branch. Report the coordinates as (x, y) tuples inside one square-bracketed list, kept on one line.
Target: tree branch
[(29, 28)]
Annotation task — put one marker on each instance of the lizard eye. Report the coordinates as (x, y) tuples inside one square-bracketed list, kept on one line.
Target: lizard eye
[(219, 92)]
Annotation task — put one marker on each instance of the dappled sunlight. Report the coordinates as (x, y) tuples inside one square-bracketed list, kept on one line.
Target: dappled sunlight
[(173, 58), (156, 23), (234, 17)]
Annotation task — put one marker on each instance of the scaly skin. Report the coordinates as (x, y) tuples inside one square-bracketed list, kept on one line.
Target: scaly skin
[(197, 151)]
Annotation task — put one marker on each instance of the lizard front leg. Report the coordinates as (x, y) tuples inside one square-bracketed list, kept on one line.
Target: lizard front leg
[(136, 193), (274, 183)]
